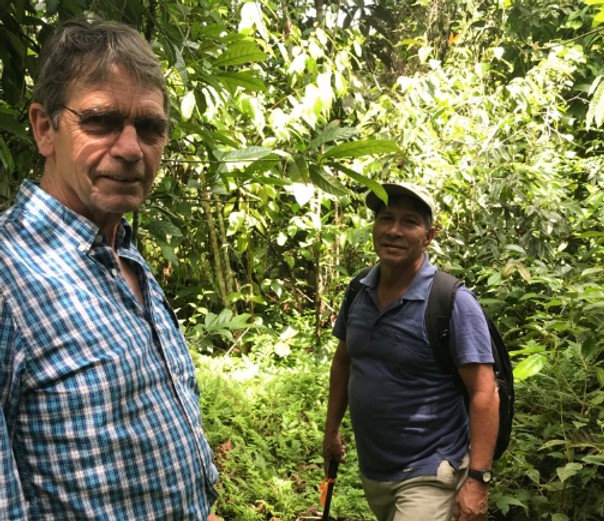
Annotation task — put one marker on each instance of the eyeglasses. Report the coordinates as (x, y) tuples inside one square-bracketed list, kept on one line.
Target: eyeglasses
[(105, 123)]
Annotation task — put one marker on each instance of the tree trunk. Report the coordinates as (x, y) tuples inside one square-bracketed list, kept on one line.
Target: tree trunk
[(205, 202), (318, 282)]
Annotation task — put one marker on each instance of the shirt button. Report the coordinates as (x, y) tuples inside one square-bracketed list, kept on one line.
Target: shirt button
[(98, 239), (114, 272)]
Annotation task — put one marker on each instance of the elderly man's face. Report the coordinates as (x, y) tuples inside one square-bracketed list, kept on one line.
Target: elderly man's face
[(103, 157), (400, 234)]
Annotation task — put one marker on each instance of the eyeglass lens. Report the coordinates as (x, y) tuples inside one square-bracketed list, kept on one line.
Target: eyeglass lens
[(103, 123)]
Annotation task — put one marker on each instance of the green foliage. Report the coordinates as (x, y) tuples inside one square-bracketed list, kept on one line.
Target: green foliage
[(217, 330), (558, 474), (281, 122), (265, 420)]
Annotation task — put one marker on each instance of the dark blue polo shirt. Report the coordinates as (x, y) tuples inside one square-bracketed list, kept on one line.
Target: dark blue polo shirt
[(408, 414)]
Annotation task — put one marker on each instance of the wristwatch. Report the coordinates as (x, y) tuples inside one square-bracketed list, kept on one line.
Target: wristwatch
[(484, 476)]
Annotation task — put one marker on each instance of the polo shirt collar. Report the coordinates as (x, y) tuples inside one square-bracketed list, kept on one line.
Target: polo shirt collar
[(417, 290)]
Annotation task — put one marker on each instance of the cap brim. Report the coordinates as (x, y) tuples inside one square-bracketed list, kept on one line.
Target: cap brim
[(393, 190)]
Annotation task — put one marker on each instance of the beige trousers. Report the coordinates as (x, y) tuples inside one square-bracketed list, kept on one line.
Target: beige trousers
[(425, 498)]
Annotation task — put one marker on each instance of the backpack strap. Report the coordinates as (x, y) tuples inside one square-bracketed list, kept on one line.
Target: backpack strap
[(438, 316), (354, 286)]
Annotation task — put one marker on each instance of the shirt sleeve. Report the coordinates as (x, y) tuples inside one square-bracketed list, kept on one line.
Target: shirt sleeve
[(12, 500), (471, 340)]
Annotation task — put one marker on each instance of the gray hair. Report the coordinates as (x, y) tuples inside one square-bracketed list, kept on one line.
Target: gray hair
[(84, 50)]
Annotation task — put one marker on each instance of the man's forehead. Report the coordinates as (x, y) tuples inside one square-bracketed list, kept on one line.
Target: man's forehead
[(118, 88)]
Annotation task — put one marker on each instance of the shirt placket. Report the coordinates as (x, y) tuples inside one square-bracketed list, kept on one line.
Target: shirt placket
[(194, 426), (103, 254)]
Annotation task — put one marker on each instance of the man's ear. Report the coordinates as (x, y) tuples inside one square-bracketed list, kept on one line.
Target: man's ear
[(429, 236), (42, 129)]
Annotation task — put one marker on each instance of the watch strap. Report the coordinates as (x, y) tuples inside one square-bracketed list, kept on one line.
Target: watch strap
[(484, 476)]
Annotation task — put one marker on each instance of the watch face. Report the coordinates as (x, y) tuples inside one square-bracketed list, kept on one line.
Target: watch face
[(484, 476)]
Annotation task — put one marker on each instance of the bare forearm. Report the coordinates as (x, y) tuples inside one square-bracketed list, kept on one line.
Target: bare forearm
[(484, 423), (338, 395), (337, 404)]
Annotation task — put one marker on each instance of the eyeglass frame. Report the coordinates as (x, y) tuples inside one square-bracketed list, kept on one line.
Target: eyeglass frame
[(123, 120)]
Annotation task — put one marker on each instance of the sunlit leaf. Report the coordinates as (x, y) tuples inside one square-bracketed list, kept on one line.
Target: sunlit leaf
[(530, 366), (247, 154), (240, 53), (594, 459), (516, 248), (595, 112), (187, 105), (552, 443), (361, 148), (282, 349), (524, 272), (568, 471), (303, 192), (244, 79)]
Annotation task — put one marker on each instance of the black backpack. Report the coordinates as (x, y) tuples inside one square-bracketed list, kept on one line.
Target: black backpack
[(438, 315)]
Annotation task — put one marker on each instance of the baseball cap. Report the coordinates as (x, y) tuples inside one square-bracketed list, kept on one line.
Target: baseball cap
[(398, 190)]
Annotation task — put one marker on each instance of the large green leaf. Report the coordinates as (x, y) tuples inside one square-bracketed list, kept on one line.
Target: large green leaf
[(361, 148), (530, 366), (326, 182), (595, 113), (247, 154), (332, 133), (568, 471), (298, 169), (247, 80), (374, 186), (240, 53)]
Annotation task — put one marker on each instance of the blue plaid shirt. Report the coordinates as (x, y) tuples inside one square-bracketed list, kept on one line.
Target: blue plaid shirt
[(100, 406)]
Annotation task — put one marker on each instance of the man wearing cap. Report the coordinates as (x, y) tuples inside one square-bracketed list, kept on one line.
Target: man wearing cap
[(411, 426)]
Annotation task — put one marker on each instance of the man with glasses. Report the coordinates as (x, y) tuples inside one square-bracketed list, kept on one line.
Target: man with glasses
[(100, 406)]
